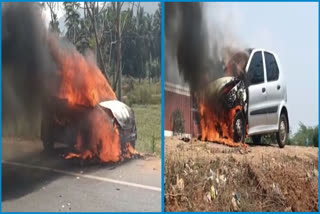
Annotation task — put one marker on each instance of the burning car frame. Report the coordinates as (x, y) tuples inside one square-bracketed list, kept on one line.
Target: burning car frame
[(71, 125), (83, 111), (252, 103)]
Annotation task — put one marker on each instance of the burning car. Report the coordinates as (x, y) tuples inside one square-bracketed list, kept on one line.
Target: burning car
[(71, 124), (257, 99), (228, 91)]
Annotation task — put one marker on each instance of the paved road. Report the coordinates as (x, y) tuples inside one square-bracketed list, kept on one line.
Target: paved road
[(34, 181)]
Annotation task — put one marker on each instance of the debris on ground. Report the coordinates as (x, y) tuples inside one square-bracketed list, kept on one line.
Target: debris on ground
[(234, 204), (207, 197), (185, 139), (213, 192), (225, 179)]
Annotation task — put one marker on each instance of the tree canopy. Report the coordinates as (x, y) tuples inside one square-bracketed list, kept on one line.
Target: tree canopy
[(124, 37)]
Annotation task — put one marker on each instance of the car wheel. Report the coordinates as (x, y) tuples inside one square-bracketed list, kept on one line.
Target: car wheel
[(256, 139), (239, 127), (282, 134)]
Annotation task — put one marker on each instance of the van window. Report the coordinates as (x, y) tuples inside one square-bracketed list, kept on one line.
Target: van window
[(255, 73), (272, 67)]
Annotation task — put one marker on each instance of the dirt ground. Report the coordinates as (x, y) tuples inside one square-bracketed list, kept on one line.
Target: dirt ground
[(204, 176)]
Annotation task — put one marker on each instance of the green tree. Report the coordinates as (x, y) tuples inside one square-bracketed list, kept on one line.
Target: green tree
[(125, 42), (54, 23), (315, 138), (305, 132), (157, 34), (72, 21)]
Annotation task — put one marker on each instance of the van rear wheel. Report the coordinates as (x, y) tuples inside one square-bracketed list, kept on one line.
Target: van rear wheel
[(282, 134), (239, 127)]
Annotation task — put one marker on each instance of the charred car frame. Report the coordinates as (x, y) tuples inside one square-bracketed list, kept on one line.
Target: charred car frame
[(62, 124)]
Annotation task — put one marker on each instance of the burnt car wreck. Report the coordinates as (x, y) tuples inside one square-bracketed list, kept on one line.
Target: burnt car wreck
[(63, 123)]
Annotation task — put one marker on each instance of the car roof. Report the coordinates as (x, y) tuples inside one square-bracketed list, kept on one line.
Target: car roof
[(261, 49)]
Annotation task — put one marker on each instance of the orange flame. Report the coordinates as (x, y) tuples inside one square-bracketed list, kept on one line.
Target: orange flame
[(82, 82), (218, 127), (104, 140)]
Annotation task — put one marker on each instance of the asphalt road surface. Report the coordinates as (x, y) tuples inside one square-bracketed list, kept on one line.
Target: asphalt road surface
[(35, 181)]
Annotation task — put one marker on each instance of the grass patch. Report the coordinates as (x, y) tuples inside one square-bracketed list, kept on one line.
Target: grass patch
[(148, 121), (142, 93)]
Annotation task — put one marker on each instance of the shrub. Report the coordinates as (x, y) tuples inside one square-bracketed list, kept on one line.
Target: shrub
[(140, 95), (315, 137), (178, 122)]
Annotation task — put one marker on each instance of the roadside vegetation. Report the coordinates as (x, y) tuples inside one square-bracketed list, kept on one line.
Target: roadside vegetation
[(148, 121), (298, 139), (141, 92), (145, 99), (305, 132)]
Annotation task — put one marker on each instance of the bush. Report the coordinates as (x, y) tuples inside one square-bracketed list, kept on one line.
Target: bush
[(128, 85), (178, 122), (305, 132), (156, 99), (315, 138), (141, 93)]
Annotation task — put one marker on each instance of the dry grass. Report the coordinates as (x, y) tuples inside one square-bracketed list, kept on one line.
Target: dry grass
[(273, 185)]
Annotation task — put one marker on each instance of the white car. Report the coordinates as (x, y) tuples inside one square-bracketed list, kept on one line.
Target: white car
[(263, 94)]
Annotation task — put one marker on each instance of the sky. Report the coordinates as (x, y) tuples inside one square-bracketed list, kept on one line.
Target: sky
[(291, 31)]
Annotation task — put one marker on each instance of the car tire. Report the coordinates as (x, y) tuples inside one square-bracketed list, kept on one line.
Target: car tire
[(282, 134), (256, 139), (239, 132)]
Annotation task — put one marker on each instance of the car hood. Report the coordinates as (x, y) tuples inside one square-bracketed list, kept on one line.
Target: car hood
[(214, 88), (122, 113), (228, 92)]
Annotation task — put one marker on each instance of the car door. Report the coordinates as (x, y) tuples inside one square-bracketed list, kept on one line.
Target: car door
[(274, 90), (257, 93)]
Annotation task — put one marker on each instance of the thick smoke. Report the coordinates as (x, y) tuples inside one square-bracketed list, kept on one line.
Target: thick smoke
[(26, 67), (197, 49)]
